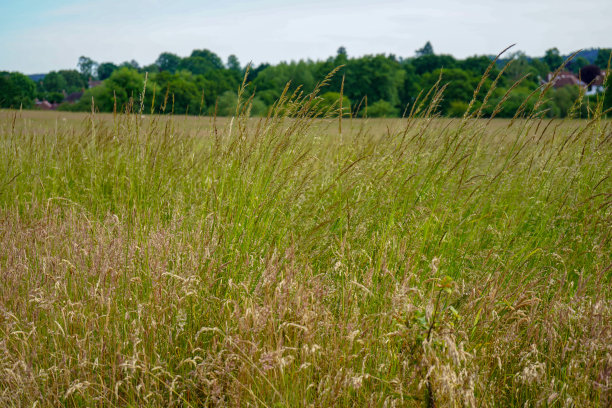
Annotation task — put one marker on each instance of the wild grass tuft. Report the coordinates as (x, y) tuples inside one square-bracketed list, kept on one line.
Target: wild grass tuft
[(295, 261)]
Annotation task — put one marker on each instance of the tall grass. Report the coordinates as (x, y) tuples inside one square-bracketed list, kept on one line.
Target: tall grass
[(277, 262)]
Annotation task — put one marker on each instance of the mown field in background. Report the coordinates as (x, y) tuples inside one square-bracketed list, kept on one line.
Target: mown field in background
[(283, 261)]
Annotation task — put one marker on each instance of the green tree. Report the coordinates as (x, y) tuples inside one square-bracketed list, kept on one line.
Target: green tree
[(477, 65), (411, 85), (430, 62), (102, 97), (16, 90), (124, 84), (75, 82), (54, 82), (271, 81), (539, 67), (553, 59), (214, 83), (603, 55), (375, 76), (55, 97), (381, 109), (577, 64), (150, 69), (341, 56), (510, 106), (426, 50), (226, 104), (184, 95), (106, 69), (168, 62), (331, 100), (563, 99), (457, 108), (460, 86), (197, 65), (520, 67), (213, 59), (233, 64), (130, 64), (87, 66)]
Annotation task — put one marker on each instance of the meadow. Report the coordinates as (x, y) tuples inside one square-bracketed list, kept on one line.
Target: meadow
[(302, 259)]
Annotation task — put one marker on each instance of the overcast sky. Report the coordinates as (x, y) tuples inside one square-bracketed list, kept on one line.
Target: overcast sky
[(37, 36)]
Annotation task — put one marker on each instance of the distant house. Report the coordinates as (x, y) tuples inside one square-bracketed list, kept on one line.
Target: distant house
[(564, 78), (598, 83)]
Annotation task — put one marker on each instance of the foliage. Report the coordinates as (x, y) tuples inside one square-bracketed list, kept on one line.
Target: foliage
[(168, 62), (106, 69), (457, 108), (553, 59), (330, 104), (54, 82), (87, 66), (233, 64), (603, 58), (577, 63), (198, 81), (459, 84), (426, 50), (213, 59), (380, 109), (16, 90), (429, 63), (75, 82)]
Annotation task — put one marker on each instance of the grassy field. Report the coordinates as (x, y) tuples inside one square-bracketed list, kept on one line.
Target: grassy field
[(281, 262)]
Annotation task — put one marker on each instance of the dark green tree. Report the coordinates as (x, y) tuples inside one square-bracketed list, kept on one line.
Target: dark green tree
[(214, 83), (150, 69), (196, 65), (130, 64), (431, 62), (477, 65), (54, 82), (16, 90), (539, 67), (233, 64), (426, 50), (168, 62), (75, 82), (553, 59), (411, 87), (603, 55), (106, 69), (375, 76), (577, 63), (213, 59), (183, 93)]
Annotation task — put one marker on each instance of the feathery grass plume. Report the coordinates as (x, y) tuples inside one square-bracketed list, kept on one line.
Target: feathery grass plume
[(409, 262)]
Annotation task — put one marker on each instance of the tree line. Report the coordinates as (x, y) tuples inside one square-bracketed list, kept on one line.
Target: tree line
[(381, 85)]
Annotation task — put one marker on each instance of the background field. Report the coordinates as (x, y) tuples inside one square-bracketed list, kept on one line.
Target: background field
[(182, 261)]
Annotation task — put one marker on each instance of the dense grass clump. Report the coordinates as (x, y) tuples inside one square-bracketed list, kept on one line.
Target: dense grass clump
[(289, 261)]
